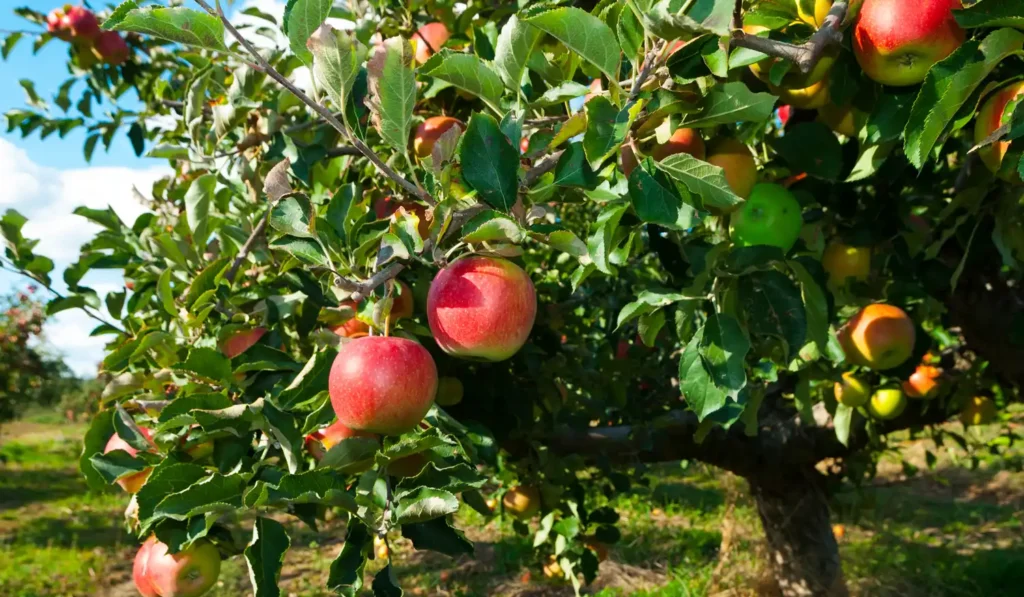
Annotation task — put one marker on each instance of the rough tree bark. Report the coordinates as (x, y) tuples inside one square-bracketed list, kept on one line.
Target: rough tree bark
[(802, 549)]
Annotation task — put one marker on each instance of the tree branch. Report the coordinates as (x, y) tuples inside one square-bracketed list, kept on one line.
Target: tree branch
[(805, 55), (84, 308), (243, 253), (645, 71), (361, 290), (543, 166), (319, 109)]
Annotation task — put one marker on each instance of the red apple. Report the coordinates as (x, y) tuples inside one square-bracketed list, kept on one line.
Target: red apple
[(990, 117), (241, 341), (683, 140), (352, 328), (897, 41), (111, 48), (879, 336), (735, 159), (131, 483), (428, 132), (83, 23), (139, 569), (57, 24), (429, 39), (481, 307), (382, 384), (322, 440), (188, 573)]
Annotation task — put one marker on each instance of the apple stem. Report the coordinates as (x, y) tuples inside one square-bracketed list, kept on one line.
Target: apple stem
[(805, 55)]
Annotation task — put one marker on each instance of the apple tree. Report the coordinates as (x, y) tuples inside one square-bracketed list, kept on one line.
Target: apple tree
[(415, 254)]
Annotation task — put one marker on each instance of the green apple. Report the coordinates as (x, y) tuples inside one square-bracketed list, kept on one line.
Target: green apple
[(853, 391), (887, 403), (771, 216)]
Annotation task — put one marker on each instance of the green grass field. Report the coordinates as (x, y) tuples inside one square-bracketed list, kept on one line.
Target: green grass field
[(690, 531)]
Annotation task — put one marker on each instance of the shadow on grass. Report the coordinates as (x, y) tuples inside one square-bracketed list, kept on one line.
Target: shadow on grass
[(79, 529), (19, 487), (686, 495)]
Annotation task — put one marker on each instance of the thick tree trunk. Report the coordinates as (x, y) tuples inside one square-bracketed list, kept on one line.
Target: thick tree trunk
[(802, 549)]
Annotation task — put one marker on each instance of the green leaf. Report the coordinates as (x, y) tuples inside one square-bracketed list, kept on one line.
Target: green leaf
[(301, 19), (438, 535), (265, 556), (657, 200), (128, 430), (606, 128), (214, 493), (320, 486), (602, 235), (489, 162), (116, 464), (303, 249), (649, 326), (455, 479), (9, 42), (385, 583), (631, 34), (841, 421), (572, 169), (702, 179), (425, 503), (351, 454), (563, 240), (515, 45), (774, 307), (340, 208), (392, 91), (724, 347), (991, 13), (168, 477), (75, 301), (197, 207), (815, 306), (467, 72), (561, 93), (813, 148), (291, 215), (182, 25), (309, 382), (163, 290), (208, 364), (100, 429), (489, 226), (337, 58), (702, 396), (582, 33), (346, 574), (949, 84), (730, 103)]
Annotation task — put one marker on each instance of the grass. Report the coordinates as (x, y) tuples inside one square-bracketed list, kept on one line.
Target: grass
[(685, 532)]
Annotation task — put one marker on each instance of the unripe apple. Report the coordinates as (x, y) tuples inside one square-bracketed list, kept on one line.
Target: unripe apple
[(522, 502), (735, 158), (354, 327), (241, 341), (896, 42), (683, 140), (552, 569), (380, 548), (83, 24), (429, 131), (382, 384), (188, 573), (322, 440), (139, 569), (879, 336), (111, 48), (845, 120), (57, 24), (449, 391), (979, 410), (795, 78), (811, 97), (813, 12), (431, 35), (481, 307), (131, 483), (842, 262), (990, 118), (853, 391), (887, 403), (771, 216)]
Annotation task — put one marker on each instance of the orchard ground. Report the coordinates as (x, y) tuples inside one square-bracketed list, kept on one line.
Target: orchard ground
[(947, 530)]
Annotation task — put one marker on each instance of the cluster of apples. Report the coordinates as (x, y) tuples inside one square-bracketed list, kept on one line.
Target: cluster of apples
[(78, 25)]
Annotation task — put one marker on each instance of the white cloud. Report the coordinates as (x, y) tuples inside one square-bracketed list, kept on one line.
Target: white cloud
[(47, 197)]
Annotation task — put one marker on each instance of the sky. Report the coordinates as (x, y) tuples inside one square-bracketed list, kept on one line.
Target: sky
[(47, 180)]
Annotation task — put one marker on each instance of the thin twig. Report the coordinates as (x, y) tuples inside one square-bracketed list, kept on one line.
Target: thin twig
[(542, 166), (805, 55), (460, 218), (319, 109), (645, 71), (361, 290), (85, 308), (249, 242)]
